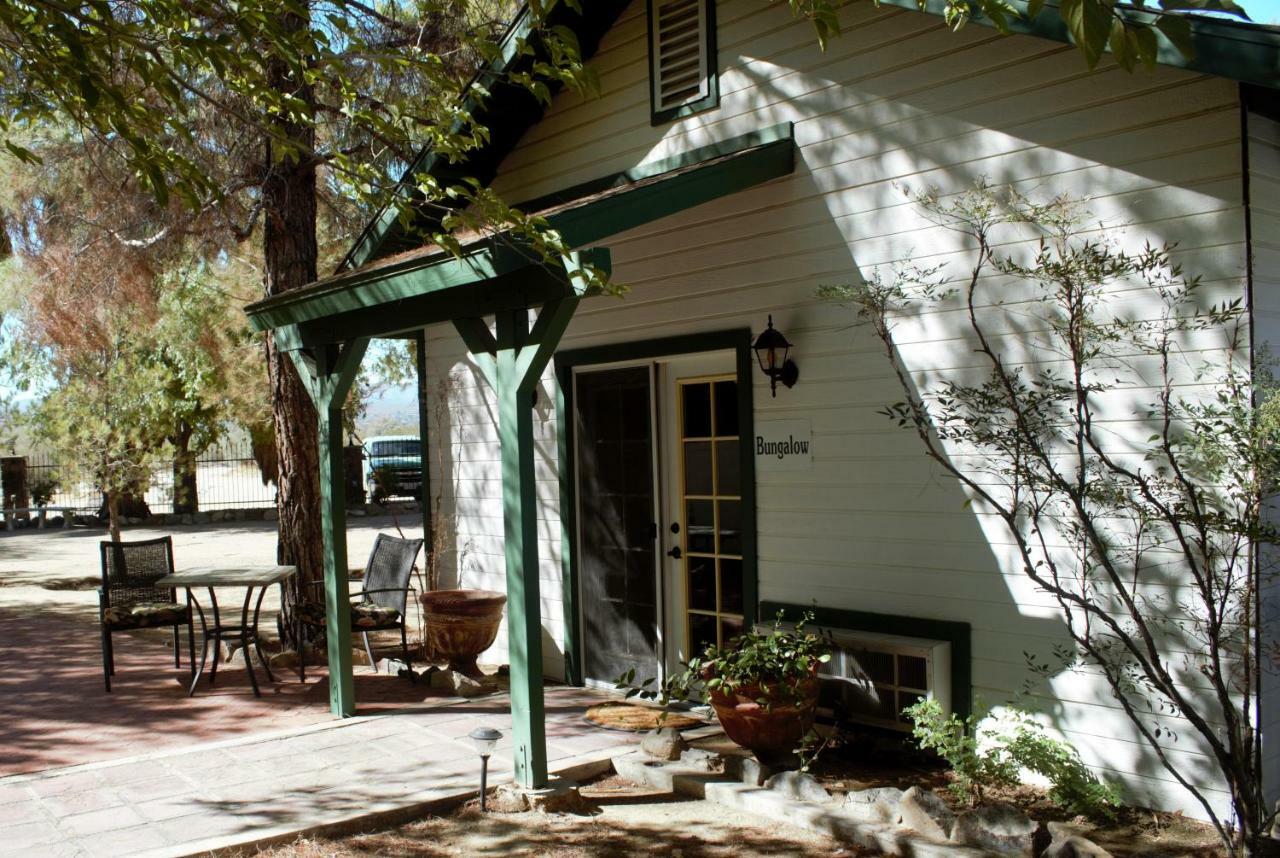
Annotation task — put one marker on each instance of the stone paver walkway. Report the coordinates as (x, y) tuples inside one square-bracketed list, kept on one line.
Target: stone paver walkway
[(219, 794)]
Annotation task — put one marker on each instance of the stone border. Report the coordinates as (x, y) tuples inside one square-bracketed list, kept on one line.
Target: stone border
[(724, 789)]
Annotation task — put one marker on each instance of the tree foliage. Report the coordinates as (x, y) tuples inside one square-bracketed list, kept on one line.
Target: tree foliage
[(1122, 452)]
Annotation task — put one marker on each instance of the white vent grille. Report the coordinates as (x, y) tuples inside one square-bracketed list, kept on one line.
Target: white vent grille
[(679, 52)]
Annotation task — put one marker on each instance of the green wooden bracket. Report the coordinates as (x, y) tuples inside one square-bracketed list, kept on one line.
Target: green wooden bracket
[(543, 339), (305, 363), (338, 369)]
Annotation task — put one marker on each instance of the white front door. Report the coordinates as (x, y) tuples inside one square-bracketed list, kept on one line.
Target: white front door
[(701, 533)]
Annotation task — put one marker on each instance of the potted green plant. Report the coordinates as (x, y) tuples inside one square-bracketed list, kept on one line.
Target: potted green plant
[(763, 686)]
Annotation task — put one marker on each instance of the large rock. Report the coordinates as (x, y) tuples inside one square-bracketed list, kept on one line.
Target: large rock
[(559, 796), (706, 761), (997, 828), (798, 785), (1069, 843), (664, 743), (926, 813), (882, 804), (455, 682)]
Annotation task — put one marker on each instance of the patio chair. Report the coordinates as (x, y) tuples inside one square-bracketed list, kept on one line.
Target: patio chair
[(129, 599), (383, 596)]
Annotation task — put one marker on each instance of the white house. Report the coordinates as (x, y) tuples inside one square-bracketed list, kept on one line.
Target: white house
[(727, 168)]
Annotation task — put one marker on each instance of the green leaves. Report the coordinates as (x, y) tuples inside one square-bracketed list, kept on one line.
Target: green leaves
[(1089, 22)]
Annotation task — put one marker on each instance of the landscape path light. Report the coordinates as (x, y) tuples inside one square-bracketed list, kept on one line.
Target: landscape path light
[(485, 739)]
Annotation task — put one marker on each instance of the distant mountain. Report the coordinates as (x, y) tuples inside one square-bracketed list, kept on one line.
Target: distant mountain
[(393, 412)]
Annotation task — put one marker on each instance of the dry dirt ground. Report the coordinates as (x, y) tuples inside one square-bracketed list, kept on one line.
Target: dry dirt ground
[(623, 820)]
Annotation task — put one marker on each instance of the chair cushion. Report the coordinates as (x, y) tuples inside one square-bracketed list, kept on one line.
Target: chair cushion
[(365, 615), (146, 615), (368, 615)]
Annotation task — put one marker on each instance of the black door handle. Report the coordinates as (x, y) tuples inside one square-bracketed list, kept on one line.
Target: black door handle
[(675, 553)]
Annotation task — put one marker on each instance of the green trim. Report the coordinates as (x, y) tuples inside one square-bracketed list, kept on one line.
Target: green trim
[(1237, 50), (956, 633), (711, 100), (783, 131), (739, 341), (728, 174)]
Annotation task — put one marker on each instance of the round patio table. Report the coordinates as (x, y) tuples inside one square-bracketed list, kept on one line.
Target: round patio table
[(246, 631)]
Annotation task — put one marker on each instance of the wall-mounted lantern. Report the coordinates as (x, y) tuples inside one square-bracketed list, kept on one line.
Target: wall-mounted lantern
[(771, 349)]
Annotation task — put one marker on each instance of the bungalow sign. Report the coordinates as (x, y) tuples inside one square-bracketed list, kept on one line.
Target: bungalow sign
[(784, 445)]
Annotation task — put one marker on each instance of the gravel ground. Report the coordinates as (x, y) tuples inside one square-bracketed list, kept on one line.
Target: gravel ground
[(623, 820)]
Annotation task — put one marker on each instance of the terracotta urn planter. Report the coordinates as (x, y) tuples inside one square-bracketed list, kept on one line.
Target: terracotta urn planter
[(771, 731), (461, 624)]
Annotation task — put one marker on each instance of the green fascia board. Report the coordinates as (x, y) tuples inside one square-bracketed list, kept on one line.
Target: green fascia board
[(431, 283), (1237, 50), (618, 213), (958, 634), (783, 131)]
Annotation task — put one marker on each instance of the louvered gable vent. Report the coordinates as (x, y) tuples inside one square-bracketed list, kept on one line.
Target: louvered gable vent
[(680, 49)]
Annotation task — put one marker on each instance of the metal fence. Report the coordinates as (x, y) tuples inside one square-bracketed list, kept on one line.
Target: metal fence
[(227, 477)]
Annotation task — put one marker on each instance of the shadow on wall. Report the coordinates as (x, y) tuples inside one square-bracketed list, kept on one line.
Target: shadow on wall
[(474, 557)]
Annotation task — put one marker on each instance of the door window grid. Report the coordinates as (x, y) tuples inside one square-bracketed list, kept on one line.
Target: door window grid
[(726, 623)]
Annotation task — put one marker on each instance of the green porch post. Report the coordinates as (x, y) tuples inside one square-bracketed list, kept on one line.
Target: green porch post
[(519, 514), (513, 364), (329, 380)]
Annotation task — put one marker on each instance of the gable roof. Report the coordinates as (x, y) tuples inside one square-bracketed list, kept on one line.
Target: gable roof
[(1228, 48)]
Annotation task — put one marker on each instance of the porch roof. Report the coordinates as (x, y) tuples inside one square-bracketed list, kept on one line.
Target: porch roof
[(429, 284)]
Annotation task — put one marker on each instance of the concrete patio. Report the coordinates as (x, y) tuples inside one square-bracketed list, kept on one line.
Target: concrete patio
[(147, 770), (215, 795)]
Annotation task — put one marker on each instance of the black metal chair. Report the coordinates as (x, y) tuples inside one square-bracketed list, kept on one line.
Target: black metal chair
[(129, 599), (383, 597)]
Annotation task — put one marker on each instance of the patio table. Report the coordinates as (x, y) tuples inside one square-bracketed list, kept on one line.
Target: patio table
[(246, 631)]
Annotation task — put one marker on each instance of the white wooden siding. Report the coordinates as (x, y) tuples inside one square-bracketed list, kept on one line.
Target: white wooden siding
[(1264, 227), (897, 100)]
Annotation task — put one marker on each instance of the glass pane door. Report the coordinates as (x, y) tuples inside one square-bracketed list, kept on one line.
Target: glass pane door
[(617, 529), (711, 506)]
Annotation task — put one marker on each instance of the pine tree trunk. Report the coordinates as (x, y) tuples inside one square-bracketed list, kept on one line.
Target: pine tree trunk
[(289, 253), (186, 492)]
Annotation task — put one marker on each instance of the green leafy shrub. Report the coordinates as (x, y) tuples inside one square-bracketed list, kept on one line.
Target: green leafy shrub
[(995, 757), (42, 489)]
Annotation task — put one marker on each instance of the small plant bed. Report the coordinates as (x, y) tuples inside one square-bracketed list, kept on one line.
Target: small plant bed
[(866, 759)]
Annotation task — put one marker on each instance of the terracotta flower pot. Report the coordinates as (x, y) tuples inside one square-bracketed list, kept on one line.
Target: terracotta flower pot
[(461, 624), (771, 731)]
